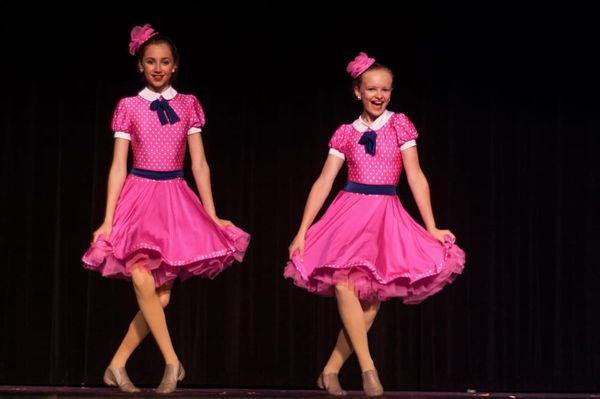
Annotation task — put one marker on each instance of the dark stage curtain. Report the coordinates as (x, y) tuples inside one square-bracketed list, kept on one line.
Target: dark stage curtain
[(508, 124)]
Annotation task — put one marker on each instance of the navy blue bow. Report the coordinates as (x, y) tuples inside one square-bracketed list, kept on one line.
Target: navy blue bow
[(164, 111), (369, 140)]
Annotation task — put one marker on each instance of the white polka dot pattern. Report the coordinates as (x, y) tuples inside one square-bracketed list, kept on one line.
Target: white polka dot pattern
[(155, 146), (386, 165)]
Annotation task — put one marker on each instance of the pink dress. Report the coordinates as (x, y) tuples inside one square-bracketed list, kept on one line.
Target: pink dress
[(369, 241), (161, 224)]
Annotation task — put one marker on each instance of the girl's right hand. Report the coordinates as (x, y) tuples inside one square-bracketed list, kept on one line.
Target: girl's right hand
[(222, 222), (103, 230), (297, 245)]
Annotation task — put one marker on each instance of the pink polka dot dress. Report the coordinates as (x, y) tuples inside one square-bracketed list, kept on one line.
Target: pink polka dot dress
[(368, 241), (159, 223)]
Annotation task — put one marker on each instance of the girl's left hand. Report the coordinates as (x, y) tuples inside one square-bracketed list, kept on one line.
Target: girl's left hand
[(441, 234), (222, 222)]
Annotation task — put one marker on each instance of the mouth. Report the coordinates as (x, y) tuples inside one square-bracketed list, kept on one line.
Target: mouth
[(158, 77), (377, 104)]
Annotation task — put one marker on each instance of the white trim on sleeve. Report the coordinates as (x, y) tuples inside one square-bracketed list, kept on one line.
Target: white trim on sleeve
[(194, 130), (123, 135), (408, 144), (337, 153)]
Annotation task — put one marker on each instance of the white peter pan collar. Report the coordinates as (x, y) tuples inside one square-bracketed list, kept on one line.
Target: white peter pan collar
[(377, 124), (168, 94)]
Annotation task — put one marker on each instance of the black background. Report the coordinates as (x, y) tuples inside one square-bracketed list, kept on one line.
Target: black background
[(505, 103)]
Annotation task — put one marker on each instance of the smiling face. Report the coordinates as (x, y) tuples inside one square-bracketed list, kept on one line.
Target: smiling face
[(158, 65), (375, 92)]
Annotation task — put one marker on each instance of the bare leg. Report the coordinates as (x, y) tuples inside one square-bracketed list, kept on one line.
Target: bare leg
[(343, 349), (153, 313), (138, 330), (353, 319)]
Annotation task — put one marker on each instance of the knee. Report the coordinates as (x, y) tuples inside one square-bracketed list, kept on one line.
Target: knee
[(164, 299), (143, 281), (371, 314), (344, 292), (341, 289), (370, 319)]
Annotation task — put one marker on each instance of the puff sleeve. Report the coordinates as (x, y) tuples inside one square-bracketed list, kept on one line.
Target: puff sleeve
[(337, 144), (197, 119), (406, 132), (121, 121)]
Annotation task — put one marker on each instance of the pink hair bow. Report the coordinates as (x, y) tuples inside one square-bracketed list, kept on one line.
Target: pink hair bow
[(139, 35), (361, 63)]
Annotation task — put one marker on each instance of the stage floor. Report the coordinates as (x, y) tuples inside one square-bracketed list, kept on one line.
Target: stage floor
[(104, 392)]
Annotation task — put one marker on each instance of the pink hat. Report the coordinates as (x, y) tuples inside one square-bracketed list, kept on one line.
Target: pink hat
[(361, 63), (139, 35)]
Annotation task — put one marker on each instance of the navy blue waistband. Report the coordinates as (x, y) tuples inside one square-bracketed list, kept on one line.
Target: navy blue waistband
[(157, 174), (360, 188)]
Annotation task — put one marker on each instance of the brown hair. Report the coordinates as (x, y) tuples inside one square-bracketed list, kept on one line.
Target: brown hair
[(159, 39)]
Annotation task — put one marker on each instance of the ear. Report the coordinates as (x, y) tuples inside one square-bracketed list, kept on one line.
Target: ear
[(140, 67), (357, 92)]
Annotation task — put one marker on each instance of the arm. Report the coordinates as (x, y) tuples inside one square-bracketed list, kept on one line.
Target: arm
[(116, 178), (201, 173), (318, 194), (420, 190)]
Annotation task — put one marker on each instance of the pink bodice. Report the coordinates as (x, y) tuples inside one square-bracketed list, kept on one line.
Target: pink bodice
[(156, 146), (393, 132)]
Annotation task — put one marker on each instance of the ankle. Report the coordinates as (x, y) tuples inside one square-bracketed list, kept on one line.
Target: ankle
[(117, 364), (172, 360), (367, 367), (331, 370)]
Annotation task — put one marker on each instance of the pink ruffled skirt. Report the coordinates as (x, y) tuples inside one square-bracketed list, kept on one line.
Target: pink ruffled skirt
[(161, 226), (371, 243)]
